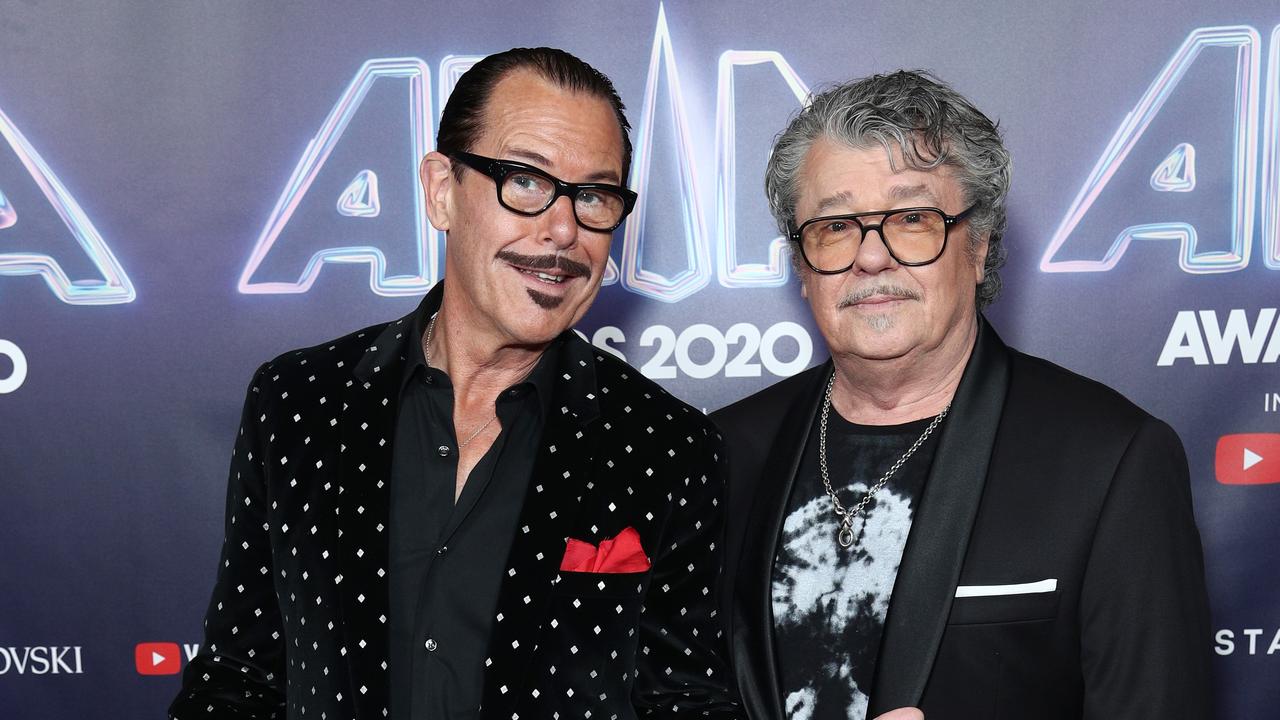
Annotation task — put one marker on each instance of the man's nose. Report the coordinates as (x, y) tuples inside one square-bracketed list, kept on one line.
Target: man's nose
[(561, 225), (873, 252)]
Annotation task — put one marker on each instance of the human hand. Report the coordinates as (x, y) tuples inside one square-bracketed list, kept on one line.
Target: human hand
[(909, 713)]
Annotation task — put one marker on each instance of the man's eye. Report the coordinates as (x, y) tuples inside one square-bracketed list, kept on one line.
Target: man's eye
[(589, 197), (838, 226), (524, 181), (911, 218)]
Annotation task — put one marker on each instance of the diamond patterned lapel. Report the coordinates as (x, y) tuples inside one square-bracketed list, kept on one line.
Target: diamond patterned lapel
[(367, 427), (561, 475)]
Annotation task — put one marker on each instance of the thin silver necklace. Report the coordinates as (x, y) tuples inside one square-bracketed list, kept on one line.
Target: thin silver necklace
[(845, 535), (426, 351)]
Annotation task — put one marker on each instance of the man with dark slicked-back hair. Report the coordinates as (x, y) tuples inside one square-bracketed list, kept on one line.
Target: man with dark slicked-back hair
[(469, 513), (932, 519)]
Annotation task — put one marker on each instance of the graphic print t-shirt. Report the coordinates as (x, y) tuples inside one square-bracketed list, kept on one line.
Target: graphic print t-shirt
[(830, 602)]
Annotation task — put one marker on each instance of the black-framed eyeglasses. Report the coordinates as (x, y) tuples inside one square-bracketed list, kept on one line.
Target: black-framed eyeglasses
[(526, 190), (913, 236)]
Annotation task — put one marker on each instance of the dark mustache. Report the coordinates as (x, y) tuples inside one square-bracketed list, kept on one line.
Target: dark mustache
[(858, 296), (545, 262)]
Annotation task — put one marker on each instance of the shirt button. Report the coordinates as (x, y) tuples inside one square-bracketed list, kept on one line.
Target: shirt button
[(442, 550), (513, 393), (431, 645), (443, 450), (429, 380)]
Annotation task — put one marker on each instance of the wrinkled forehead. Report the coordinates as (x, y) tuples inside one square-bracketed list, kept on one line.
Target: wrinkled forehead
[(842, 176), (893, 195), (535, 116)]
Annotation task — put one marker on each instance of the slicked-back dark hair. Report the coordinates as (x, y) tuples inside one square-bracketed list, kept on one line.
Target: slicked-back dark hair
[(463, 119)]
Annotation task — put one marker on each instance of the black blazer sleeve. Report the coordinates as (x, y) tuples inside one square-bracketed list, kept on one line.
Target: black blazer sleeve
[(680, 664), (1144, 615), (239, 672)]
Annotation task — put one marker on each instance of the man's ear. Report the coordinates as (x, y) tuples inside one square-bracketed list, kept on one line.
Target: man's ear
[(979, 256), (438, 183)]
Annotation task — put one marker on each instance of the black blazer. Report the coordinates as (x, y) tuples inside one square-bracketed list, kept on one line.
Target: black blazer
[(1039, 474), (297, 625)]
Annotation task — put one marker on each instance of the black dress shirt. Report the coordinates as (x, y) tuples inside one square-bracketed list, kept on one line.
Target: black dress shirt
[(447, 557)]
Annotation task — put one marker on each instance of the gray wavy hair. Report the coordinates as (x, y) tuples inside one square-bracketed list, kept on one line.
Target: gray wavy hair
[(931, 124)]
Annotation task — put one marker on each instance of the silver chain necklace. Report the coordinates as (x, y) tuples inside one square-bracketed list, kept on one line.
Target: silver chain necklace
[(426, 351), (845, 534)]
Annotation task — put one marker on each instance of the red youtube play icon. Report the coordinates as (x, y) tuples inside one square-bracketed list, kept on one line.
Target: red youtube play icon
[(157, 658), (1248, 459)]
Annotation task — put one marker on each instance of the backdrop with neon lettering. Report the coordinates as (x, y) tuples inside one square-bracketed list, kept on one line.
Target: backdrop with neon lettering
[(188, 189)]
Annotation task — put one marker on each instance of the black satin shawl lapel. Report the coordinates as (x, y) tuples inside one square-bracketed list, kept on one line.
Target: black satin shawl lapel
[(935, 549), (758, 678)]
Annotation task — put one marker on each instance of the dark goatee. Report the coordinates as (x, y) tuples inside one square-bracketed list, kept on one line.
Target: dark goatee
[(543, 300)]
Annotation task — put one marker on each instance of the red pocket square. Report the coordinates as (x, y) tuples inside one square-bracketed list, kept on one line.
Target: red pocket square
[(622, 554)]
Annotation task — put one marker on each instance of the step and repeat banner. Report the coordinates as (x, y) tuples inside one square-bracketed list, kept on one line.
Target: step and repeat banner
[(189, 188)]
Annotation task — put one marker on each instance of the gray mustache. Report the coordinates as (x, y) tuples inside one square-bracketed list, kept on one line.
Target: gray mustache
[(896, 291)]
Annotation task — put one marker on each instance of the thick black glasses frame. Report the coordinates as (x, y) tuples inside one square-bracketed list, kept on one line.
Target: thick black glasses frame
[(498, 170), (947, 222)]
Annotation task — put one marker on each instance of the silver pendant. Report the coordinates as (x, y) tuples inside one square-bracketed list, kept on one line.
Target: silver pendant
[(845, 536)]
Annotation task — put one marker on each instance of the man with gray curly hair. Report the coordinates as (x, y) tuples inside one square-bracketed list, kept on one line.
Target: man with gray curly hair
[(932, 519)]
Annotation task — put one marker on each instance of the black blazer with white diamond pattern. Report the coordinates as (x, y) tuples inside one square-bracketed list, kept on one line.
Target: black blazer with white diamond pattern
[(297, 626)]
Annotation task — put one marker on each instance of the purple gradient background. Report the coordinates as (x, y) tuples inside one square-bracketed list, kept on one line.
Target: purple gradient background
[(177, 125)]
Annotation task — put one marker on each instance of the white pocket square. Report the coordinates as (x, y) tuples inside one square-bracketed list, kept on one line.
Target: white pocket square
[(1042, 586)]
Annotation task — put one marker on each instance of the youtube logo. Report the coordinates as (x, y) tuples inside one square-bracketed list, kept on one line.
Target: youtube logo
[(157, 658), (1248, 459)]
